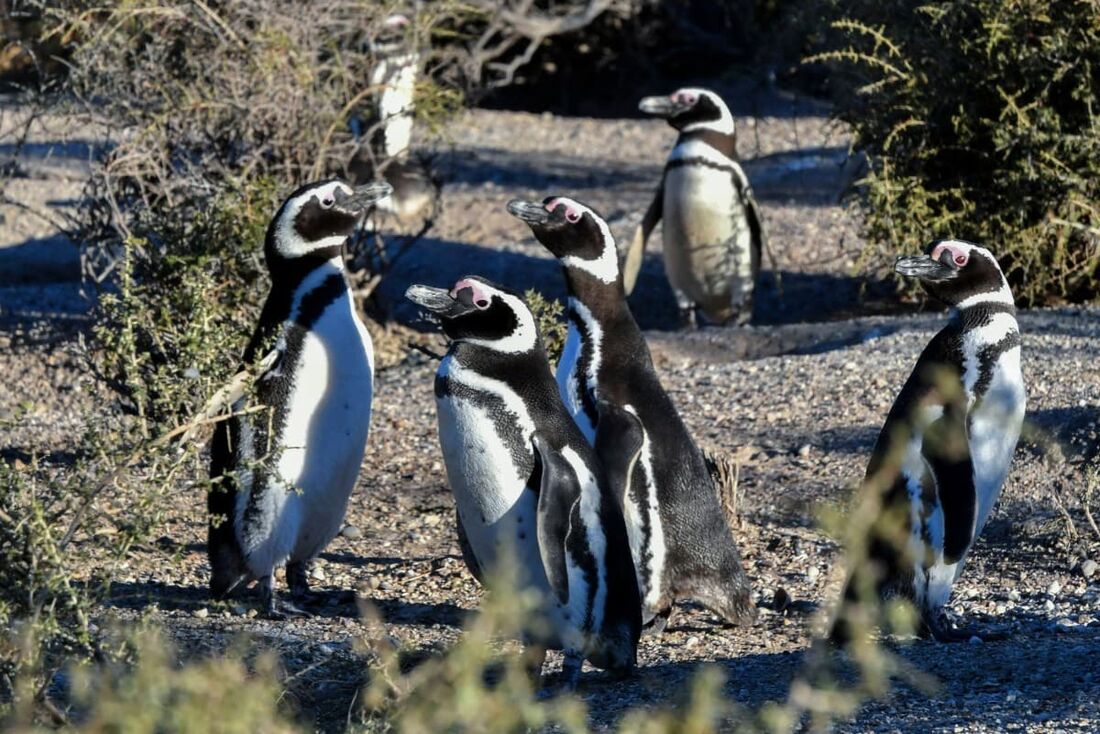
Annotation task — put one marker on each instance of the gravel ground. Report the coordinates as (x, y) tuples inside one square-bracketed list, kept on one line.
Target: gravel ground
[(799, 403)]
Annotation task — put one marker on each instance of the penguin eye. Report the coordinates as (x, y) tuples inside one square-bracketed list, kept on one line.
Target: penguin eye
[(960, 259), (481, 303), (327, 202), (572, 215), (688, 98)]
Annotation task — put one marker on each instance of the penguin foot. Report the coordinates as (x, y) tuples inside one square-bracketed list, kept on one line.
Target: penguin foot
[(657, 625), (297, 579), (940, 628), (570, 671), (282, 610)]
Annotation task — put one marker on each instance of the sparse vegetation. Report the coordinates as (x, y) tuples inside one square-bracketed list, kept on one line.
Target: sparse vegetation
[(979, 122), (548, 317)]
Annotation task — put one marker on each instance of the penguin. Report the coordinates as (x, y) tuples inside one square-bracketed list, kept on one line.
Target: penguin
[(682, 546), (945, 449), (712, 234), (526, 484), (416, 189), (283, 467)]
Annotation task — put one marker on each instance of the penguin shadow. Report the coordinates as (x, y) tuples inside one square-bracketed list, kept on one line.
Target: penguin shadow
[(440, 262), (1069, 426), (536, 169)]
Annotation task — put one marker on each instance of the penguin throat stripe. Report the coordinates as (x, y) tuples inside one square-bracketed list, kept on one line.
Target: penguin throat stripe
[(605, 268)]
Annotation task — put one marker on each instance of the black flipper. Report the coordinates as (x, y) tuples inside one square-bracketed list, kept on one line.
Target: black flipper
[(619, 437), (559, 491), (946, 450), (752, 213), (632, 262), (468, 550)]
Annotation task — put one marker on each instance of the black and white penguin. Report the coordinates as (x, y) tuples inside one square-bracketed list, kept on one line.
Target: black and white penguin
[(388, 153), (944, 452), (525, 481), (712, 234), (682, 545), (284, 466)]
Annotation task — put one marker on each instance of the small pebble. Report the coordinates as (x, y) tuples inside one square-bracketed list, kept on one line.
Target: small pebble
[(804, 451), (318, 573), (202, 613), (1054, 589), (1049, 605), (975, 640), (812, 573), (1089, 568), (1014, 595), (351, 532)]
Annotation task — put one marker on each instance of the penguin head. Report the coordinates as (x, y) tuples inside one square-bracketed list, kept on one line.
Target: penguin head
[(319, 217), (482, 313), (690, 109), (957, 273), (575, 233)]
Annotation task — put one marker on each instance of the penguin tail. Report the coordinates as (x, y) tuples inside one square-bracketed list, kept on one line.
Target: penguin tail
[(227, 571)]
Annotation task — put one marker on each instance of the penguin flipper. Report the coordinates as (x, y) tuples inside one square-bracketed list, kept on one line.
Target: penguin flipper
[(619, 437), (468, 550), (947, 453), (632, 263), (559, 492)]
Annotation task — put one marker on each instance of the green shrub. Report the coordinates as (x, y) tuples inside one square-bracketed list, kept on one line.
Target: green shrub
[(979, 122), (548, 318)]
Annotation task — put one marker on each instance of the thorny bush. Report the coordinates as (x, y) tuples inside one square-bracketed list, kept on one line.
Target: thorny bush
[(979, 121)]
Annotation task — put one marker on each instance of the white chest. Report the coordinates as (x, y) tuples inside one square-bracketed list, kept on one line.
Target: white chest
[(994, 429), (321, 446), (488, 480)]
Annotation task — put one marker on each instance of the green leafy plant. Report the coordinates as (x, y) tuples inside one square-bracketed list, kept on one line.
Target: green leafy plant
[(548, 318), (979, 122)]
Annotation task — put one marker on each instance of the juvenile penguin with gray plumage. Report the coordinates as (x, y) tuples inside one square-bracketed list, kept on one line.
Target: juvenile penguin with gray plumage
[(681, 542), (711, 229), (284, 466), (945, 450), (525, 481)]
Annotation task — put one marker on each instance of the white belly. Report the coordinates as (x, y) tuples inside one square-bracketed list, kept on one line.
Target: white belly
[(322, 443), (498, 512), (994, 430), (707, 240)]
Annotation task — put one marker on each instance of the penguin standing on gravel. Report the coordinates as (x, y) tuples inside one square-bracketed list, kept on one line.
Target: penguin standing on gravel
[(681, 542), (284, 466), (944, 452), (712, 234), (525, 481)]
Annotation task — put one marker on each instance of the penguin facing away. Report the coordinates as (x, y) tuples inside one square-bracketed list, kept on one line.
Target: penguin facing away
[(945, 449), (682, 546), (526, 483), (282, 475), (711, 228)]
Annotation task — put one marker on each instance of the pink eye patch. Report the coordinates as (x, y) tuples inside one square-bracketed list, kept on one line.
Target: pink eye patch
[(572, 214), (958, 254), (684, 98), (480, 296)]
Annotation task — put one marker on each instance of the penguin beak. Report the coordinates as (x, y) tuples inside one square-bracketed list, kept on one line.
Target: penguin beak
[(439, 301), (533, 213), (658, 106), (925, 268), (362, 197)]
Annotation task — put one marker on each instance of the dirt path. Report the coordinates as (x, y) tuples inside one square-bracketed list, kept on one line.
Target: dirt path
[(802, 402)]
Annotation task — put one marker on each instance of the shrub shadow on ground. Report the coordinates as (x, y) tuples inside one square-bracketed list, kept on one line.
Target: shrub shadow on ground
[(804, 296)]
